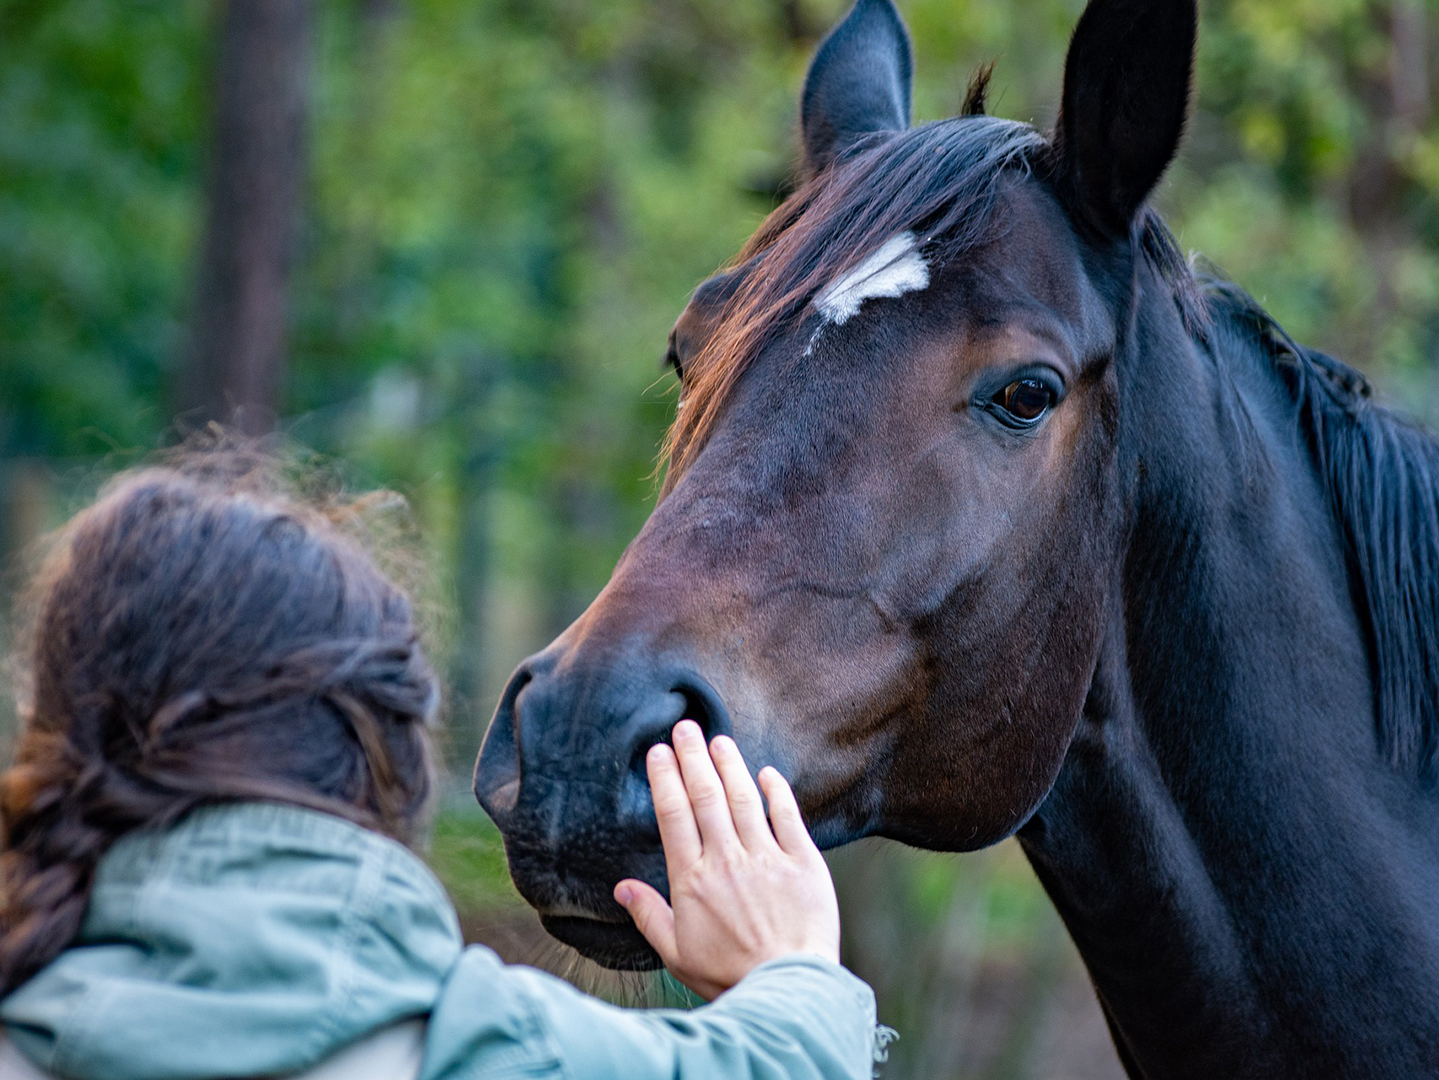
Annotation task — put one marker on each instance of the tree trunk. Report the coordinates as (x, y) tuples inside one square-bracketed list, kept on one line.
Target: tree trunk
[(472, 689), (1397, 102), (235, 367)]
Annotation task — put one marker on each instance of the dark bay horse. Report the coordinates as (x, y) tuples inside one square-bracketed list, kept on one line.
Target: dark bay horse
[(985, 516)]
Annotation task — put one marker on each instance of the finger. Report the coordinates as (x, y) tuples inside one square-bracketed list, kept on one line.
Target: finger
[(784, 813), (678, 832), (653, 916), (744, 801), (706, 793)]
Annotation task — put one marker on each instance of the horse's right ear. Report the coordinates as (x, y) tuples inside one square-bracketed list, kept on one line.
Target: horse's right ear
[(859, 83), (1126, 95)]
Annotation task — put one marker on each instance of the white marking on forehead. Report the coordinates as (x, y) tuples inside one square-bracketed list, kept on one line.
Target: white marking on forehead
[(895, 269)]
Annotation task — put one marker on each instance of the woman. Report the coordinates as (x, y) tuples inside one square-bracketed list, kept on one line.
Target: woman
[(224, 750)]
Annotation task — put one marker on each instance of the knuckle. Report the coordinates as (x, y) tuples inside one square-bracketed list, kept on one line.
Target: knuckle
[(743, 799), (705, 795), (787, 811), (727, 860)]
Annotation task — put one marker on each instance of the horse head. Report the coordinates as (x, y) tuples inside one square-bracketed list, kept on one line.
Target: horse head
[(892, 512)]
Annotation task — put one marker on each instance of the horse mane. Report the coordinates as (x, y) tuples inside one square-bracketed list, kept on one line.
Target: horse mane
[(942, 181), (1380, 473)]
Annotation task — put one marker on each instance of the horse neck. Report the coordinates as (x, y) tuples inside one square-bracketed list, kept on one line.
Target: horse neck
[(1250, 885)]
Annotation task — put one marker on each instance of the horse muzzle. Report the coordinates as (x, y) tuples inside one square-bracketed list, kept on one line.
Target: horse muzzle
[(562, 773)]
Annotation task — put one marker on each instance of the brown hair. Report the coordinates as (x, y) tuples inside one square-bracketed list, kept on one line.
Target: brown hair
[(198, 637)]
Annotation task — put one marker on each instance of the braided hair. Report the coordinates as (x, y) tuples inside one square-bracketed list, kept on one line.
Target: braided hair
[(198, 639)]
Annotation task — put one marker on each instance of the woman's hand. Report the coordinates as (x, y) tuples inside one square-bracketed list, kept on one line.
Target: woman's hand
[(741, 893)]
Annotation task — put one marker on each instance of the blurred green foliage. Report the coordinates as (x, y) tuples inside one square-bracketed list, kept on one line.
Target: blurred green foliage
[(467, 854), (101, 116), (507, 204)]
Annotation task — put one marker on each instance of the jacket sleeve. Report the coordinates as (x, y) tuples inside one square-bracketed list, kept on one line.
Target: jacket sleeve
[(796, 1018)]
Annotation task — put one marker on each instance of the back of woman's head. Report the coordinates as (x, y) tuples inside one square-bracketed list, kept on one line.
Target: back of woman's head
[(199, 639)]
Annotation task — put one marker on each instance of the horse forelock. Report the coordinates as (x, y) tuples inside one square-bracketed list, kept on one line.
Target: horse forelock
[(940, 184)]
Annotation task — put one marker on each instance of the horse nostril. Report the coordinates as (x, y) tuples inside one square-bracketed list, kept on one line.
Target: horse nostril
[(704, 707), (497, 770), (691, 699)]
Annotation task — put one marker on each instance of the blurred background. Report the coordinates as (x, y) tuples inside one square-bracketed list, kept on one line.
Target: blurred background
[(441, 242)]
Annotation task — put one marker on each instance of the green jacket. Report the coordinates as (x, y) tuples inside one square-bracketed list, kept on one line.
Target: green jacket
[(257, 939)]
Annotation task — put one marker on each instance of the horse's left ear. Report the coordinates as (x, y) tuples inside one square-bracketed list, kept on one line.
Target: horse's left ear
[(1126, 96), (859, 83)]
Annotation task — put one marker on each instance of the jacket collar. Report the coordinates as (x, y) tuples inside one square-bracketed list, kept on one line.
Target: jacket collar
[(250, 939)]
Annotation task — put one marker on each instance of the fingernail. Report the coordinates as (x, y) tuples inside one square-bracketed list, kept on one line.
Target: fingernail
[(623, 895), (656, 753), (686, 730)]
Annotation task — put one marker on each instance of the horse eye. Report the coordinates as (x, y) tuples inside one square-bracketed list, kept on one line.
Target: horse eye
[(672, 357), (1026, 400)]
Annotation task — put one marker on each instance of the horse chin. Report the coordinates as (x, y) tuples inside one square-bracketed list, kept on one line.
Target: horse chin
[(617, 946)]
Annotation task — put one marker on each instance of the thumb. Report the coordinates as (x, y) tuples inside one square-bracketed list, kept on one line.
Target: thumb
[(651, 913)]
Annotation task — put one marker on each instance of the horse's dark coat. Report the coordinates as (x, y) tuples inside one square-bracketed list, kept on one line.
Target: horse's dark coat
[(1249, 866), (1181, 634)]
